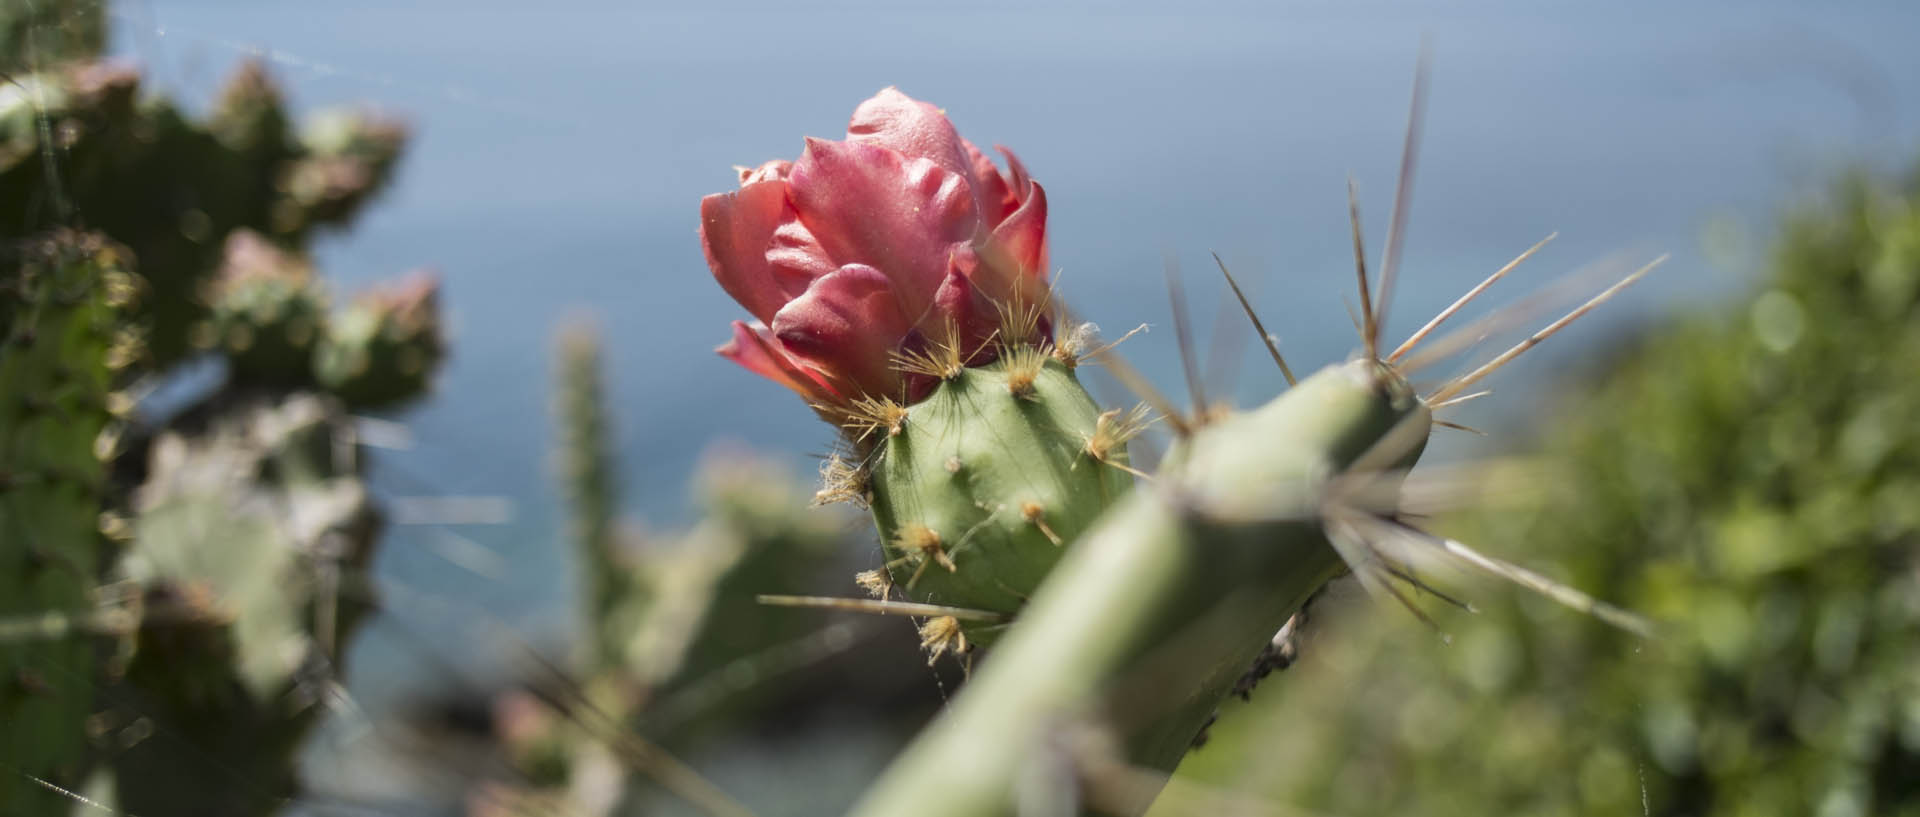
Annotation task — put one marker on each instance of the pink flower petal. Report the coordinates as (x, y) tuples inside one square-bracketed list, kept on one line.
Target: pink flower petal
[(916, 129), (735, 230), (795, 256), (847, 325), (995, 195), (868, 204), (771, 170), (755, 348), (1023, 235), (1017, 176), (973, 318)]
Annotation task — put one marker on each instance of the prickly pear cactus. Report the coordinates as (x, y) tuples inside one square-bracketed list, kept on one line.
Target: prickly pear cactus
[(978, 488), (268, 312), (253, 524), (172, 188), (1747, 473), (383, 349), (252, 542), (61, 300)]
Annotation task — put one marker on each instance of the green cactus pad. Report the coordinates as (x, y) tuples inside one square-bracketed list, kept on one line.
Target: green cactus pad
[(60, 301), (253, 540), (980, 488)]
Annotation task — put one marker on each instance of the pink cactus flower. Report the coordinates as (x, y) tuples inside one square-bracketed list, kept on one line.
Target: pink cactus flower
[(901, 239)]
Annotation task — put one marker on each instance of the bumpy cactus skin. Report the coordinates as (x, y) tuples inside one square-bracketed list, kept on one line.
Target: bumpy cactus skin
[(60, 300), (978, 488), (1174, 589), (253, 538)]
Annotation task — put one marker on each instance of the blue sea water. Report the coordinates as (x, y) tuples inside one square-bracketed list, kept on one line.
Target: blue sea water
[(562, 148)]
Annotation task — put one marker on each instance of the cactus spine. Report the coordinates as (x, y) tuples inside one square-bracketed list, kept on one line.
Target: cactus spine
[(61, 299)]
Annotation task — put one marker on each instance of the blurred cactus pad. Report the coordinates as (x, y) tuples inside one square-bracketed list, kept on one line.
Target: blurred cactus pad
[(1748, 477), (178, 586), (81, 142), (60, 304)]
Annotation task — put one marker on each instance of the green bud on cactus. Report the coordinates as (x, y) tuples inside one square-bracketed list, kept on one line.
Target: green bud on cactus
[(978, 488), (1162, 605), (383, 349), (898, 280), (268, 312)]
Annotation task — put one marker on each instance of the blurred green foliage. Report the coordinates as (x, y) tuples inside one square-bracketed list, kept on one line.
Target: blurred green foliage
[(1749, 477), (61, 299), (82, 143), (36, 33), (176, 591)]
